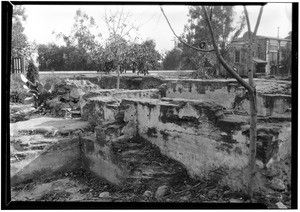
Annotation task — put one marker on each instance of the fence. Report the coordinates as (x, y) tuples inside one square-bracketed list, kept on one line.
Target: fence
[(18, 65)]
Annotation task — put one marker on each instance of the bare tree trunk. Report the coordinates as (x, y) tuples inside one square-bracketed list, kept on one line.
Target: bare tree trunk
[(118, 77), (253, 104), (118, 69), (251, 91), (253, 121), (253, 134)]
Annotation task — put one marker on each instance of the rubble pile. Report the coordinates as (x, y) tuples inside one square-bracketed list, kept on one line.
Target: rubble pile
[(66, 96), (62, 102), (20, 112)]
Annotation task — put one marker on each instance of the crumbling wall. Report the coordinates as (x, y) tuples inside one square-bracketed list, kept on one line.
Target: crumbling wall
[(126, 82), (229, 94), (187, 131), (200, 136), (98, 156), (102, 105), (112, 125), (273, 97)]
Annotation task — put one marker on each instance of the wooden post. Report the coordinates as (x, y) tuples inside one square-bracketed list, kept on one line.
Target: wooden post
[(23, 65), (278, 58)]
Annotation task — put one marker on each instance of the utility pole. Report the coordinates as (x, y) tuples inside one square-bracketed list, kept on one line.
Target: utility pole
[(278, 49), (175, 42)]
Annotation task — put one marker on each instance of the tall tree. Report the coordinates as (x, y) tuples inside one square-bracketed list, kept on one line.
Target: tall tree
[(172, 59), (20, 45), (120, 30), (147, 57), (84, 46), (195, 32), (52, 57)]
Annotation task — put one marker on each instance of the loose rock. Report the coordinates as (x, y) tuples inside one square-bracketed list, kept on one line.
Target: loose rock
[(148, 194), (161, 191), (271, 173), (76, 93), (104, 195), (281, 205), (277, 184), (232, 200), (212, 194), (185, 198), (202, 197), (226, 192)]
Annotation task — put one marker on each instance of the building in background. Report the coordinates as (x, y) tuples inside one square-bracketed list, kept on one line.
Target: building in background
[(267, 54)]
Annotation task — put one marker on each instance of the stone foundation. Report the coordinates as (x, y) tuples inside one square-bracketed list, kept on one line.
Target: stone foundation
[(230, 95), (200, 134)]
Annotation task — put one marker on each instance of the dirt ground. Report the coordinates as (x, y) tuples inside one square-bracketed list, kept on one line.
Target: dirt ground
[(82, 186)]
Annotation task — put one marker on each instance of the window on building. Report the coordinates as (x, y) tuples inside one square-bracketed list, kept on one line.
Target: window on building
[(273, 58), (237, 56), (243, 56), (273, 47)]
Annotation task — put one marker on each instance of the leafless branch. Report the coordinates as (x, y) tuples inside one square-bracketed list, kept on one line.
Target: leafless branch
[(117, 23), (258, 21), (193, 47), (252, 37), (248, 24), (120, 17)]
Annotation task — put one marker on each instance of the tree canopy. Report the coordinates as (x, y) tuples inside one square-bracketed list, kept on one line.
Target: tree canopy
[(196, 33), (20, 46), (82, 51), (172, 59)]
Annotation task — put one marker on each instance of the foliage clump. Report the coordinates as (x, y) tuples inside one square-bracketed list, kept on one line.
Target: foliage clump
[(16, 88), (82, 51), (32, 72)]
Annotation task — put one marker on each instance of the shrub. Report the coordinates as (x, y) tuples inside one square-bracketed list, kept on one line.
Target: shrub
[(16, 88), (39, 92), (32, 72)]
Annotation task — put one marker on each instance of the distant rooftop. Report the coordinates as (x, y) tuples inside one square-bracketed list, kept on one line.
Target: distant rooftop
[(241, 39), (275, 38)]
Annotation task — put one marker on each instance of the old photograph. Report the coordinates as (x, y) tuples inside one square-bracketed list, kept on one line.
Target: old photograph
[(152, 103)]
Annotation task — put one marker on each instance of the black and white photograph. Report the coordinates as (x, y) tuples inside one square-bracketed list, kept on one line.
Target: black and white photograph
[(149, 105)]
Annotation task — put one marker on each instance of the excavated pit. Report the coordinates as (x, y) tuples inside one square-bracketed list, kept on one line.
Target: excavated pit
[(138, 140)]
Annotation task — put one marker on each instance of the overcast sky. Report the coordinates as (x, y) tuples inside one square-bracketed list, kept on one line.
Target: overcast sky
[(44, 19)]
